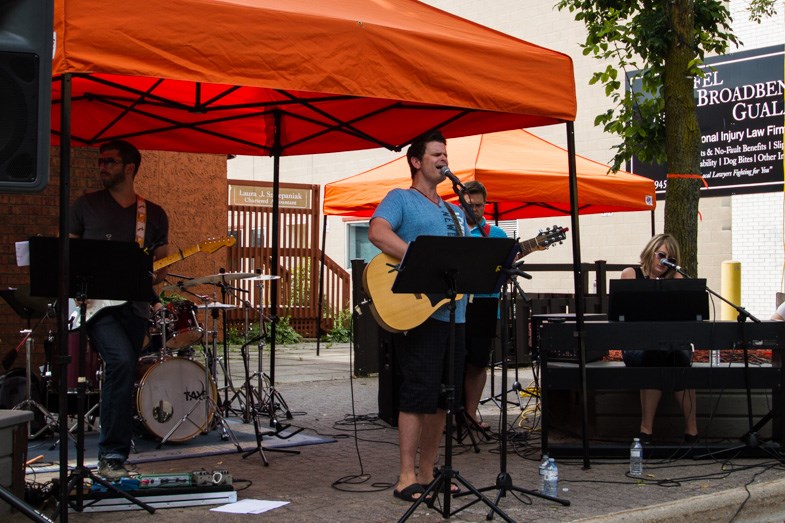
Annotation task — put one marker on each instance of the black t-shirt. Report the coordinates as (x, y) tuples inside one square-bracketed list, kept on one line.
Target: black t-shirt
[(98, 216)]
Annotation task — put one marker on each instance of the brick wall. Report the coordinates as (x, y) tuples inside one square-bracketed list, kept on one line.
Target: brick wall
[(191, 187)]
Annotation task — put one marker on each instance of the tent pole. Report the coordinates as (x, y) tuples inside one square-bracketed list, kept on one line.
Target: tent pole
[(652, 222), (320, 299), (276, 239), (62, 290), (579, 294)]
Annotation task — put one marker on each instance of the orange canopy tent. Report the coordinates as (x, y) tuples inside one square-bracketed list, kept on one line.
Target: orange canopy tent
[(265, 77), (525, 177)]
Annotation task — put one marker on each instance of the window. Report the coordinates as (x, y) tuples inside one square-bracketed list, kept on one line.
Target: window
[(358, 245)]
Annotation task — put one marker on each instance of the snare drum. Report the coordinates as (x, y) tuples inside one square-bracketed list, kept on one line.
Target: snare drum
[(170, 389), (181, 325)]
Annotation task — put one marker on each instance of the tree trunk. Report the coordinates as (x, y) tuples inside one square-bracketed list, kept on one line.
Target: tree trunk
[(682, 134)]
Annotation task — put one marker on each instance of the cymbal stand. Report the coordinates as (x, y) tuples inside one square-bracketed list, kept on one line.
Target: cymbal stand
[(252, 408), (226, 289), (241, 393), (50, 423), (271, 399)]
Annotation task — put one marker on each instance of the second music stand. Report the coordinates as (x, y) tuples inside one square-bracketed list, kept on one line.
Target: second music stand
[(446, 266)]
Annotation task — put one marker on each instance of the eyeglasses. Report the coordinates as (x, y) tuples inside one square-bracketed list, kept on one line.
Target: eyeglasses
[(109, 162), (660, 255)]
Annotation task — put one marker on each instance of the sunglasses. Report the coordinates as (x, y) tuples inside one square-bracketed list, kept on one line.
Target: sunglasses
[(663, 256)]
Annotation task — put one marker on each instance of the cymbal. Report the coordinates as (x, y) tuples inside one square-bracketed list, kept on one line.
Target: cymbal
[(264, 277), (216, 305), (24, 304), (213, 278)]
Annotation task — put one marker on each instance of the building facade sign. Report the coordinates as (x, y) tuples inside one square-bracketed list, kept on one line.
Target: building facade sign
[(740, 112), (288, 198)]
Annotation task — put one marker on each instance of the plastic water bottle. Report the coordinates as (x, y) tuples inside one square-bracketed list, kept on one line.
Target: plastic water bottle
[(543, 466), (551, 487), (636, 458)]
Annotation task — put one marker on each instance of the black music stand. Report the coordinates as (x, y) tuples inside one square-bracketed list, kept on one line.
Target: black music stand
[(504, 483), (95, 266), (446, 266)]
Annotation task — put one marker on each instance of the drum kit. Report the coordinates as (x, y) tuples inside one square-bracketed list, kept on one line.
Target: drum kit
[(176, 395)]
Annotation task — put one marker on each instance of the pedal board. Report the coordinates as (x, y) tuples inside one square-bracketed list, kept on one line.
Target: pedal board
[(167, 497), (199, 478)]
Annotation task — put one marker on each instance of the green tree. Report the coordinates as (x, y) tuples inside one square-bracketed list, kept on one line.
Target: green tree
[(666, 41)]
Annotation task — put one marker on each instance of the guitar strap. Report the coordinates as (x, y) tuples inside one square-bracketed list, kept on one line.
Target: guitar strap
[(141, 220), (454, 219)]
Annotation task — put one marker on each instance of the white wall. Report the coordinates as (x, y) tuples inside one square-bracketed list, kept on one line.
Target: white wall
[(614, 238)]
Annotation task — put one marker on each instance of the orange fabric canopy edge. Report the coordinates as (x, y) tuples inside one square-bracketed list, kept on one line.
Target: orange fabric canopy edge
[(526, 177), (205, 75)]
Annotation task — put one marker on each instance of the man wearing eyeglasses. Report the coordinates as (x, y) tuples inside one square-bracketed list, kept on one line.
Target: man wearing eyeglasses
[(117, 213), (481, 312)]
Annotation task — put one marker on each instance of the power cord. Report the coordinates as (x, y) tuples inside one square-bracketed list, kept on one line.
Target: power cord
[(351, 482)]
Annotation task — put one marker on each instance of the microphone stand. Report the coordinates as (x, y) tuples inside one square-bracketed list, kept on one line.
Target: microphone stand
[(458, 188), (750, 439)]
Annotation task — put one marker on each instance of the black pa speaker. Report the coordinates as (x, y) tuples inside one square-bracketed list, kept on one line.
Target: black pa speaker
[(26, 36)]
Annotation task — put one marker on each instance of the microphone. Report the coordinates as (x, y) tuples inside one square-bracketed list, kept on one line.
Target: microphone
[(668, 262), (445, 171)]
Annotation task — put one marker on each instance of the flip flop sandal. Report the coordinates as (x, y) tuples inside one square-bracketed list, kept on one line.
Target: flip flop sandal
[(454, 489), (409, 493)]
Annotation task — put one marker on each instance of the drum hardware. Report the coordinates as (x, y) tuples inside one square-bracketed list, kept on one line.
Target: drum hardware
[(264, 392), (50, 422), (159, 409), (29, 307), (270, 398)]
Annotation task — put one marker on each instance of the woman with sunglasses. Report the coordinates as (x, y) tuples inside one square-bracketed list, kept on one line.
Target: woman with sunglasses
[(660, 247)]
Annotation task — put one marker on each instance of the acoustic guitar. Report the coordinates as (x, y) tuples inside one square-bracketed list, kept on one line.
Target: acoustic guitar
[(400, 312), (94, 306)]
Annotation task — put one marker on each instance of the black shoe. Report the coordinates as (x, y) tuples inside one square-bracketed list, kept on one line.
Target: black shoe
[(691, 439), (644, 438), (112, 469)]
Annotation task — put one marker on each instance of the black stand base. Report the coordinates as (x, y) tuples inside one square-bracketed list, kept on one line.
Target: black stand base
[(504, 485), (260, 448), (442, 483), (464, 425)]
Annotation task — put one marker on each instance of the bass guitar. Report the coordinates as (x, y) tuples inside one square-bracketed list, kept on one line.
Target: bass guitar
[(399, 312), (94, 306)]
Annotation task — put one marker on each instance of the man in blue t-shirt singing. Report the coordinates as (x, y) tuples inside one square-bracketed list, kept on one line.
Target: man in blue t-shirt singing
[(402, 216)]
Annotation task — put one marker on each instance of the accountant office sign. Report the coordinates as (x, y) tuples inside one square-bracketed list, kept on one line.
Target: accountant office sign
[(740, 112), (262, 196)]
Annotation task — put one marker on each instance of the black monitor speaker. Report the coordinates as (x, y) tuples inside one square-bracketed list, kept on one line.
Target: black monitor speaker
[(26, 36)]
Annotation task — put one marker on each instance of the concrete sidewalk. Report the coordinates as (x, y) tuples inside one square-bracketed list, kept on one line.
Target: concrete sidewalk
[(352, 479)]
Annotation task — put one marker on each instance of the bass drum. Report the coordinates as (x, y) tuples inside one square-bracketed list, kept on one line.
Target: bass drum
[(171, 389)]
